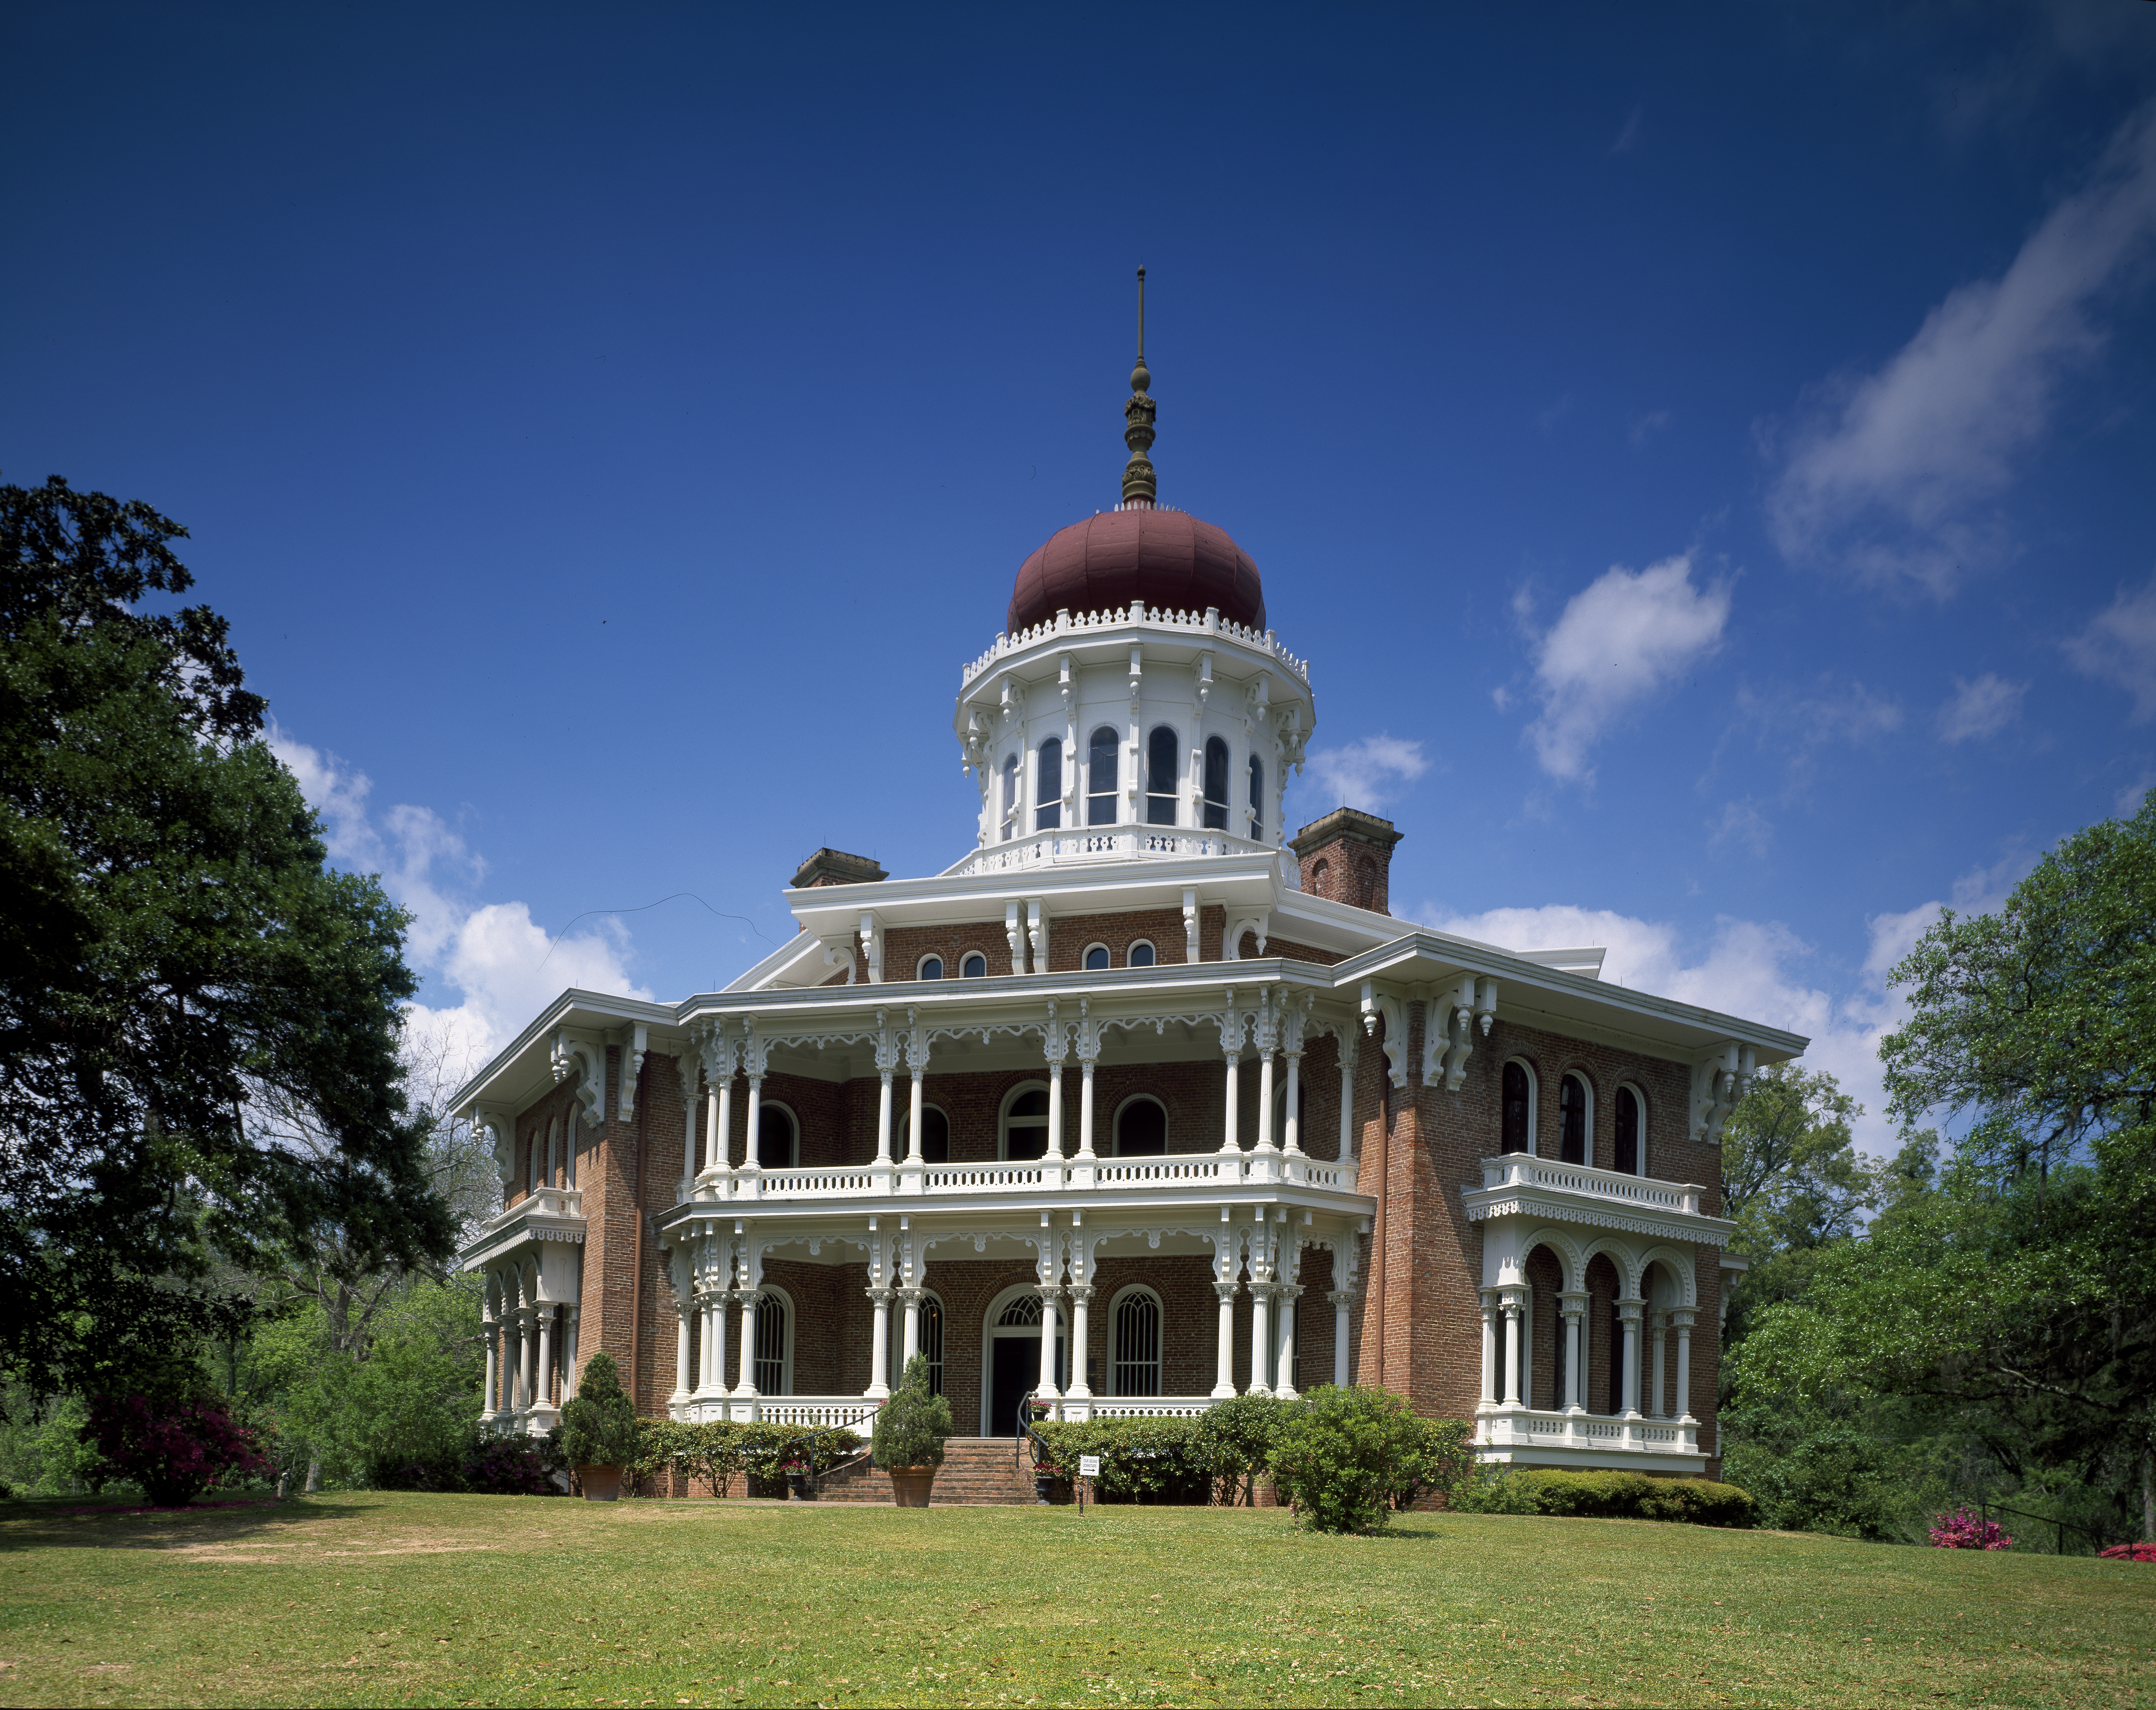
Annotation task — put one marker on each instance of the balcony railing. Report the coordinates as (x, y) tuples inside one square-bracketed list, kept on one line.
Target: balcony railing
[(1117, 843), (1522, 1169), (813, 1412), (1050, 1175), (1531, 1428)]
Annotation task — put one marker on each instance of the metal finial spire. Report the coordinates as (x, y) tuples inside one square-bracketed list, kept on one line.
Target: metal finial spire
[(1138, 488)]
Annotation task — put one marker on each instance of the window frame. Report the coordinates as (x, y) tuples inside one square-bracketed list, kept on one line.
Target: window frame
[(788, 1318), (1085, 957), (1639, 1137), (1131, 949), (1257, 769), (1214, 809), (1048, 807), (1137, 1291), (1010, 1097), (1154, 793), (764, 1107), (1534, 1111), (1577, 1077), (1115, 1126), (965, 971), (1095, 794), (920, 967)]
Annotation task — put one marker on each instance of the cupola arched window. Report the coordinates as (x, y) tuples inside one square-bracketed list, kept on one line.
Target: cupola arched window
[(1142, 1129), (974, 967), (1571, 1119), (931, 967), (1162, 753), (1010, 798), (1137, 1362), (1139, 955), (1097, 956), (1630, 1159), (1048, 786), (1216, 784), (1519, 1110), (1101, 777), (1257, 797)]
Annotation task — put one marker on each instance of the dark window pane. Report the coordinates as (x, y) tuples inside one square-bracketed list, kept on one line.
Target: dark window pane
[(774, 1139), (931, 967), (1628, 1131), (932, 1340), (1026, 1131), (973, 968), (1141, 956), (1141, 1130), (1030, 1104), (1516, 1110), (1028, 1140), (771, 1345), (1161, 760), (935, 1136), (1572, 1108), (1216, 771), (1097, 956), (1050, 776), (1137, 1346)]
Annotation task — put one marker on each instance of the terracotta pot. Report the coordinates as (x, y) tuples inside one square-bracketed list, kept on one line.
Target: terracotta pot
[(909, 1485), (797, 1483), (600, 1484)]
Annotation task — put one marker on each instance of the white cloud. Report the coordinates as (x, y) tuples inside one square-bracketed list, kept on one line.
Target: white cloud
[(1364, 773), (2118, 647), (493, 954), (2128, 802), (1982, 707), (1644, 427), (1742, 823), (1887, 472), (1617, 641)]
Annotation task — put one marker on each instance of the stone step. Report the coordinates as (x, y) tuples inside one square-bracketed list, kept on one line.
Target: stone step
[(977, 1472)]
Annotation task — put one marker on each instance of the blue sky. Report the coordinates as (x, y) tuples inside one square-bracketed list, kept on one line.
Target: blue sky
[(1702, 451)]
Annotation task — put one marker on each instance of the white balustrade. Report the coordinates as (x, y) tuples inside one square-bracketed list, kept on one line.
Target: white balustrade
[(1130, 843), (1153, 618), (1524, 1427), (1522, 1169)]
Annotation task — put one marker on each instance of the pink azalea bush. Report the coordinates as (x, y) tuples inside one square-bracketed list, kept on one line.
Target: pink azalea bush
[(175, 1449), (2142, 1552), (1963, 1529)]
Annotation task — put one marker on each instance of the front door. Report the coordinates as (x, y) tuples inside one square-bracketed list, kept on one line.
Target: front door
[(1012, 1371)]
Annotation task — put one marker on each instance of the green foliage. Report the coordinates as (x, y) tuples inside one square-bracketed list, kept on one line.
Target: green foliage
[(912, 1426), (1147, 1459), (173, 948), (1233, 1438), (1345, 1457), (718, 1452), (1611, 1496), (599, 1426)]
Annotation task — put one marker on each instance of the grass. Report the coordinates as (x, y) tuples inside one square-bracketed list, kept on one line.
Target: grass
[(379, 1599)]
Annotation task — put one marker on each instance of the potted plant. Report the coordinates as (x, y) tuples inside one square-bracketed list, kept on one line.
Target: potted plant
[(599, 1430), (794, 1464), (911, 1430)]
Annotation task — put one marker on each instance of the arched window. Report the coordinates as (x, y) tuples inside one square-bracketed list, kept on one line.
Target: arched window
[(932, 1340), (774, 1363), (1572, 1110), (1010, 798), (1257, 797), (1216, 784), (776, 1135), (1519, 1121), (1141, 1128), (1162, 755), (1097, 956), (931, 967), (1135, 1362), (935, 1135), (1139, 955), (1048, 786), (974, 967), (553, 1153), (1321, 878), (1101, 777), (1631, 1156), (1025, 1124)]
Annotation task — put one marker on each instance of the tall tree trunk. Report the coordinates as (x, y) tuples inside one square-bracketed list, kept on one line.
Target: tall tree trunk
[(314, 1472), (2148, 1492)]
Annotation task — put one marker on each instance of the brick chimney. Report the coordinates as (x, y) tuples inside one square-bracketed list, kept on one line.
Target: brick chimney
[(1348, 856), (829, 866)]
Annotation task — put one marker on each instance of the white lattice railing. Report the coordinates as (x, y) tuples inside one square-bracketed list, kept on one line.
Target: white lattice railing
[(813, 1412), (1522, 1169), (1125, 842), (1057, 1175), (1133, 1407), (1522, 1427), (1082, 623)]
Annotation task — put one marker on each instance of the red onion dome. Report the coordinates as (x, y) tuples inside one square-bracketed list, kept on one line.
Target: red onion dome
[(1167, 558)]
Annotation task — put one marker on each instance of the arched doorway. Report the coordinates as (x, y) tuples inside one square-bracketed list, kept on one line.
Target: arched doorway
[(1011, 1338)]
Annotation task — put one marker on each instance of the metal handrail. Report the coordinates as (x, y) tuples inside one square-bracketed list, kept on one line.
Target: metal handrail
[(1025, 1432), (1984, 1508)]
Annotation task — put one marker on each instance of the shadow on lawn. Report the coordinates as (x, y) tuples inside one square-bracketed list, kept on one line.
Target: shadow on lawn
[(72, 1524)]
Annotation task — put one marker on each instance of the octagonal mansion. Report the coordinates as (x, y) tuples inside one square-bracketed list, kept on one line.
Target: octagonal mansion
[(1139, 1103)]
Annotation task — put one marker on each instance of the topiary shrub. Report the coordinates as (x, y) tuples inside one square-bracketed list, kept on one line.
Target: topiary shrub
[(599, 1424), (912, 1426), (1343, 1456)]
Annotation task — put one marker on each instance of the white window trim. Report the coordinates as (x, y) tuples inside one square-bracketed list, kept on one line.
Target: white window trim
[(793, 1328), (1534, 1105), (1002, 1122), (1116, 1122), (1587, 1086), (1640, 1099), (1087, 952), (1149, 945), (1093, 791), (901, 1136), (794, 1117), (991, 1331), (1160, 1346), (1174, 792), (968, 956), (898, 1334), (1041, 802), (927, 957)]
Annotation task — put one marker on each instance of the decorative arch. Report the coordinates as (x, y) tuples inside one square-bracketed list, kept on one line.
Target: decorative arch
[(1096, 956), (930, 967), (1032, 1117), (1139, 952), (1142, 1135), (774, 1313), (973, 965), (935, 1132), (1570, 1260), (783, 1141), (1636, 1165), (1679, 1266), (1137, 1324), (1020, 1305), (1518, 1113), (1575, 1107), (1620, 1253)]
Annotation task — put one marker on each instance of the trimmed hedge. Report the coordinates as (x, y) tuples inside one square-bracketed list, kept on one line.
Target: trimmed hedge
[(1610, 1496), (1144, 1459)]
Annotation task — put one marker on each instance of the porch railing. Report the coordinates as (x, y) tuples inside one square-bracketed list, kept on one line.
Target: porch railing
[(1064, 1174), (816, 1412), (1522, 1427), (1523, 1169)]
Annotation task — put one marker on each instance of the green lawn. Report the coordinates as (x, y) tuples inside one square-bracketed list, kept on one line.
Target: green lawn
[(409, 1599)]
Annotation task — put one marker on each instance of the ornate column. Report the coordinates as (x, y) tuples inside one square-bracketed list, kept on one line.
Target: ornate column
[(685, 1331), (1224, 1286), (1231, 1048), (569, 1328), (1573, 1303), (916, 1063), (1261, 1292), (1267, 1041), (1291, 1049), (1682, 1319), (1490, 1348), (1046, 1389), (546, 1363), (1288, 1294), (531, 1358), (746, 1388), (1077, 1388), (878, 1388), (886, 1063), (1628, 1318), (1512, 1307), (1088, 1042), (754, 1055), (687, 1067), (719, 1059), (1342, 1299), (1348, 1040), (1658, 1333), (1055, 1048), (489, 1332), (910, 1339)]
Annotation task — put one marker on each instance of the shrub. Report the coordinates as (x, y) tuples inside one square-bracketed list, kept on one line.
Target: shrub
[(2129, 1553), (911, 1427), (1144, 1459), (1233, 1441), (1610, 1496), (175, 1449), (1343, 1456), (1440, 1460), (600, 1424), (1963, 1528), (507, 1467)]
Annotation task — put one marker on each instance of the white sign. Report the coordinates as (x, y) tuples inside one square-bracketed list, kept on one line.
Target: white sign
[(1089, 1467)]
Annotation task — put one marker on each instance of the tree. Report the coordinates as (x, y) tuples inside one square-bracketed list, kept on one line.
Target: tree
[(2019, 1294), (173, 954)]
